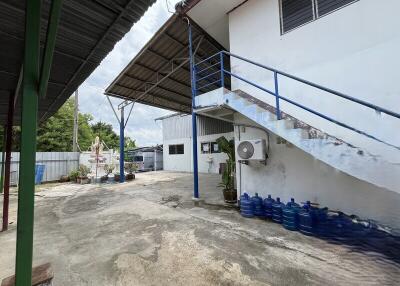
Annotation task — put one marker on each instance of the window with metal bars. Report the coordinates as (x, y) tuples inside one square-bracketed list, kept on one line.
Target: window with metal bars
[(176, 149), (295, 13)]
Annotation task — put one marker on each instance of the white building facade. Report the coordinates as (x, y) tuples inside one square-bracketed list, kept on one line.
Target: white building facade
[(177, 143), (347, 46)]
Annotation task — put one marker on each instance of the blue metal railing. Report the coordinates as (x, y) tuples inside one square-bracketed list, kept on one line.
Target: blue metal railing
[(215, 65)]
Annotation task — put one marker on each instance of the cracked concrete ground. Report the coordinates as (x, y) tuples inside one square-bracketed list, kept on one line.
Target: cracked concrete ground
[(150, 232)]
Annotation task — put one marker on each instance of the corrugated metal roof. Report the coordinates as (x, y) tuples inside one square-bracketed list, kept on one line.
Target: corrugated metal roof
[(154, 62), (88, 31)]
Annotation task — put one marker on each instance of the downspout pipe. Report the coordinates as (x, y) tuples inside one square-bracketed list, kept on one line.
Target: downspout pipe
[(194, 117)]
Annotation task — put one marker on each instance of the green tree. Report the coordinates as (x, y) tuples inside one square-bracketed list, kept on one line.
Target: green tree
[(16, 132), (129, 143), (55, 134), (106, 134)]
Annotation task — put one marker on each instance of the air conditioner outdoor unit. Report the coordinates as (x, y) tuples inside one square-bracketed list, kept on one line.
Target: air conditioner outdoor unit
[(252, 150)]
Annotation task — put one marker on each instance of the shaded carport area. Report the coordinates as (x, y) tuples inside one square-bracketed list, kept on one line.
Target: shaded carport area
[(48, 48), (160, 74)]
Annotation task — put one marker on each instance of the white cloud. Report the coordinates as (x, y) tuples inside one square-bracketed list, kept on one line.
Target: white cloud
[(141, 126)]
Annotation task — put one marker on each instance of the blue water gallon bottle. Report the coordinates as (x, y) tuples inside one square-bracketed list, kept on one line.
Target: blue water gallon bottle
[(290, 215), (258, 206), (277, 211), (268, 202), (246, 206)]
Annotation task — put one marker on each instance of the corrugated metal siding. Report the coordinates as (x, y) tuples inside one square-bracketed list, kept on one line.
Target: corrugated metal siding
[(209, 126), (180, 126), (57, 164)]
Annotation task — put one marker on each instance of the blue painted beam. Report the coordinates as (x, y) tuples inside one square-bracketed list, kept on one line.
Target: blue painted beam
[(122, 147), (194, 121)]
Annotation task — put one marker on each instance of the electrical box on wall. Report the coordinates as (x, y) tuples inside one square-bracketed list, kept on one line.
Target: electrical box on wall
[(254, 150)]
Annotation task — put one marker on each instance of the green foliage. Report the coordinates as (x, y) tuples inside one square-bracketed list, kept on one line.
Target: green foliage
[(16, 133), (73, 175), (83, 170), (129, 143), (55, 134), (109, 168), (106, 134), (131, 167), (228, 176)]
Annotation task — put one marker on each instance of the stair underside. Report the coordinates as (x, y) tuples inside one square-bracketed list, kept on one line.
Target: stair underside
[(341, 155)]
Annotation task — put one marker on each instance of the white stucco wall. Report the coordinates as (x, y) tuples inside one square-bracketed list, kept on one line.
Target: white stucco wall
[(353, 50), (183, 162), (290, 172)]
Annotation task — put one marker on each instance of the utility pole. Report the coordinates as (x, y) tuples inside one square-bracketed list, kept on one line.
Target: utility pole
[(75, 132)]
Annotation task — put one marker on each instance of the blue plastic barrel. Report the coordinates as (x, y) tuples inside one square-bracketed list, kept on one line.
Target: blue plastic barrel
[(268, 206), (246, 206), (277, 211), (39, 171), (290, 214), (258, 206)]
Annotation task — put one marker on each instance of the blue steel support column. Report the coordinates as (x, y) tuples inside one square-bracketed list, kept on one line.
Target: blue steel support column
[(278, 111), (194, 122), (122, 147)]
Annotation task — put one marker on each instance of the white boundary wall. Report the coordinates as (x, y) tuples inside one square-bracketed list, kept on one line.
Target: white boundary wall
[(57, 164)]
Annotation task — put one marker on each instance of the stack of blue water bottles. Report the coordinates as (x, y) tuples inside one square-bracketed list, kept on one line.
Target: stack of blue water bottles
[(292, 216)]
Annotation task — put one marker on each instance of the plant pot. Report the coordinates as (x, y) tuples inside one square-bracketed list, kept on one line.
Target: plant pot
[(64, 179), (230, 196), (83, 180), (78, 180), (117, 177), (104, 178), (130, 177)]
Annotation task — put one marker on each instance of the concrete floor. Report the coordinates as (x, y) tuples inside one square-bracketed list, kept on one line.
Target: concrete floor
[(149, 232)]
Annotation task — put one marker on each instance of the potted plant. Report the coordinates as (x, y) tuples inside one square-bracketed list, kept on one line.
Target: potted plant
[(116, 177), (73, 175), (83, 172), (108, 169), (64, 179), (228, 174), (130, 167)]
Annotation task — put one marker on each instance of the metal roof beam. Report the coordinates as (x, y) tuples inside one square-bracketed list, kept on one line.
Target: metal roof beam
[(170, 78), (152, 103), (103, 37), (41, 45), (183, 45), (151, 94), (170, 73), (52, 27), (159, 86)]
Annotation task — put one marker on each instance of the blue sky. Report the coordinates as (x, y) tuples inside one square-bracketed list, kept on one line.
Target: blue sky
[(141, 126)]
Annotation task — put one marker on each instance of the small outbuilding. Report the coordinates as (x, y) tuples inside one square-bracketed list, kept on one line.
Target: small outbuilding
[(147, 158), (177, 142)]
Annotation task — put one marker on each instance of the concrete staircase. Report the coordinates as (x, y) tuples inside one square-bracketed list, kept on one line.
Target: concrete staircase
[(354, 161)]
